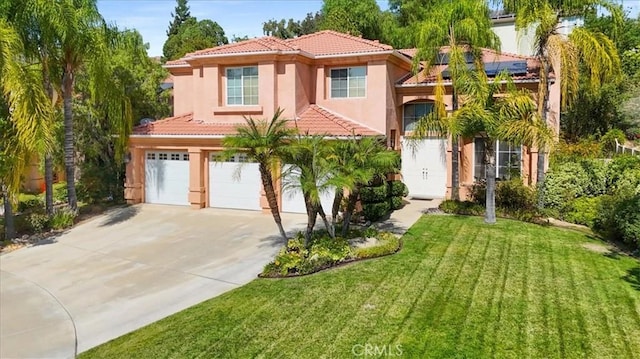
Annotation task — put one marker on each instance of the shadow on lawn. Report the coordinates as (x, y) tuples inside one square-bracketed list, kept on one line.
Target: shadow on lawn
[(633, 277), (120, 215)]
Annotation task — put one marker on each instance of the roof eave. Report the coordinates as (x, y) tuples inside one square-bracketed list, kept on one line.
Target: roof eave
[(177, 136), (432, 84)]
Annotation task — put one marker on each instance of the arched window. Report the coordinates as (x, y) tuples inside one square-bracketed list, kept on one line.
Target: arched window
[(412, 112)]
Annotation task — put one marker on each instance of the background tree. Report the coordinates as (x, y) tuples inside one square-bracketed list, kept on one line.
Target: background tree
[(180, 15), (356, 17), (193, 35), (287, 29), (236, 38), (264, 142), (464, 26), (564, 55)]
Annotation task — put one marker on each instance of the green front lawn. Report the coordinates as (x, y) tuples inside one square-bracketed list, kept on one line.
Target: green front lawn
[(459, 288)]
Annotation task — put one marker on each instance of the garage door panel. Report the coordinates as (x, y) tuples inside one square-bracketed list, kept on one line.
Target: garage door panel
[(234, 185), (167, 177)]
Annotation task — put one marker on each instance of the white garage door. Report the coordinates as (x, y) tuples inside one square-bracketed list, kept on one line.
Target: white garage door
[(424, 167), (234, 184), (292, 198), (166, 177)]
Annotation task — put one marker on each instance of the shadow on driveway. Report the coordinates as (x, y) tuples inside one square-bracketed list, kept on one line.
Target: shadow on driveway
[(120, 215)]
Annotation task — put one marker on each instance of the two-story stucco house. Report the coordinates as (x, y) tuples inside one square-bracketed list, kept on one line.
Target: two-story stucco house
[(327, 83)]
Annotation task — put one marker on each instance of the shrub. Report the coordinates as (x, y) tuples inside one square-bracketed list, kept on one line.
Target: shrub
[(62, 218), (327, 250), (398, 189), (513, 194), (582, 210), (375, 194), (374, 211), (618, 166), (60, 194), (609, 140), (289, 259), (38, 222), (396, 203), (627, 220), (31, 204), (464, 208), (570, 152), (596, 171), (388, 243), (563, 184), (628, 182)]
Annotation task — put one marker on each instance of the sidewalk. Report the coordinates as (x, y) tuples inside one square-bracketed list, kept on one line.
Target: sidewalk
[(401, 220)]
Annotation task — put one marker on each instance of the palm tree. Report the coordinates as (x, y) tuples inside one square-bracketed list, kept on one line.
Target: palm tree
[(355, 163), (566, 54), (310, 172), (264, 142), (464, 26)]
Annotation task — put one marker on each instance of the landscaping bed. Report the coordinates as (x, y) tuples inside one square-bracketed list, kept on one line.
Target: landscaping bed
[(323, 252)]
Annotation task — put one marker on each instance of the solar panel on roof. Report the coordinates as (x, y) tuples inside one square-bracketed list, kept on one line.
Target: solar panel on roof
[(443, 58), (494, 68)]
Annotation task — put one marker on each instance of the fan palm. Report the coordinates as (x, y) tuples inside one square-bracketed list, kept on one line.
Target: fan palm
[(464, 26), (566, 54), (264, 142)]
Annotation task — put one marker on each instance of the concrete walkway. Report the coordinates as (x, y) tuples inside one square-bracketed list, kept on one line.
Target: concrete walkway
[(132, 267)]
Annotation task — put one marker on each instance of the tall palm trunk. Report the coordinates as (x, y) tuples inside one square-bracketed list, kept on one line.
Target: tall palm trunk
[(455, 165), (312, 214), (69, 148), (490, 178), (544, 114), (9, 227), (48, 183), (330, 228), (335, 208), (267, 184), (351, 206)]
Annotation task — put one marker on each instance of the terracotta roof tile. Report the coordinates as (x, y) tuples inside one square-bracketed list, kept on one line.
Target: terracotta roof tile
[(314, 120), (317, 120), (488, 56), (178, 62), (330, 42), (261, 44)]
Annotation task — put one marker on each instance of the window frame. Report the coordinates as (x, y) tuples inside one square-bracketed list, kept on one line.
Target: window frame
[(404, 107), (497, 155), (347, 68), (242, 87)]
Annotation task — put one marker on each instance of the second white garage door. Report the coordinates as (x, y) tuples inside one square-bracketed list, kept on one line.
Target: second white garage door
[(234, 184)]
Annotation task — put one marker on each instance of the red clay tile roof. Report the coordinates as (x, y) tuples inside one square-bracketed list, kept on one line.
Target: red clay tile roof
[(488, 56), (329, 42), (408, 52), (262, 44), (313, 120), (317, 120)]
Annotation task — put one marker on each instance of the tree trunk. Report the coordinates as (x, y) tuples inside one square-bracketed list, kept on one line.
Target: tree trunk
[(48, 184), (312, 214), (267, 184), (335, 208), (69, 147), (541, 151), (9, 227), (330, 228), (490, 178), (455, 166), (351, 206)]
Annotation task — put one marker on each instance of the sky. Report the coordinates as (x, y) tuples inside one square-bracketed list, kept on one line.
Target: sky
[(237, 17)]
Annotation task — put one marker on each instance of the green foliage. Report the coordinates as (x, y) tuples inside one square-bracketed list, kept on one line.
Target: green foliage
[(328, 251), (38, 222), (374, 211), (618, 218), (193, 35), (575, 151), (102, 180), (398, 189), (290, 258), (463, 208), (62, 218), (618, 167), (287, 29), (31, 204), (511, 194), (609, 140), (357, 17), (180, 15), (396, 203), (375, 194), (60, 192), (583, 210), (563, 184), (388, 243)]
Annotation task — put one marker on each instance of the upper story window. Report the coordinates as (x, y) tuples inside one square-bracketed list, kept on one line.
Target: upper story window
[(413, 112), (349, 82), (508, 157), (242, 85)]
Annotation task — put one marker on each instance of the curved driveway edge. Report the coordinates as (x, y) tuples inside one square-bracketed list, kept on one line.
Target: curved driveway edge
[(34, 324)]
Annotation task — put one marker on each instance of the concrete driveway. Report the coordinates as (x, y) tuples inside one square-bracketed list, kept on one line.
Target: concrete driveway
[(126, 269)]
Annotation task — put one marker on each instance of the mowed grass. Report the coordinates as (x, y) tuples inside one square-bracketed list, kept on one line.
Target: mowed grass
[(459, 288)]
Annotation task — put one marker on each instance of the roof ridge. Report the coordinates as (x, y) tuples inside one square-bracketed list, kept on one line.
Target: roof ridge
[(346, 36), (508, 54), (344, 118), (277, 40)]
